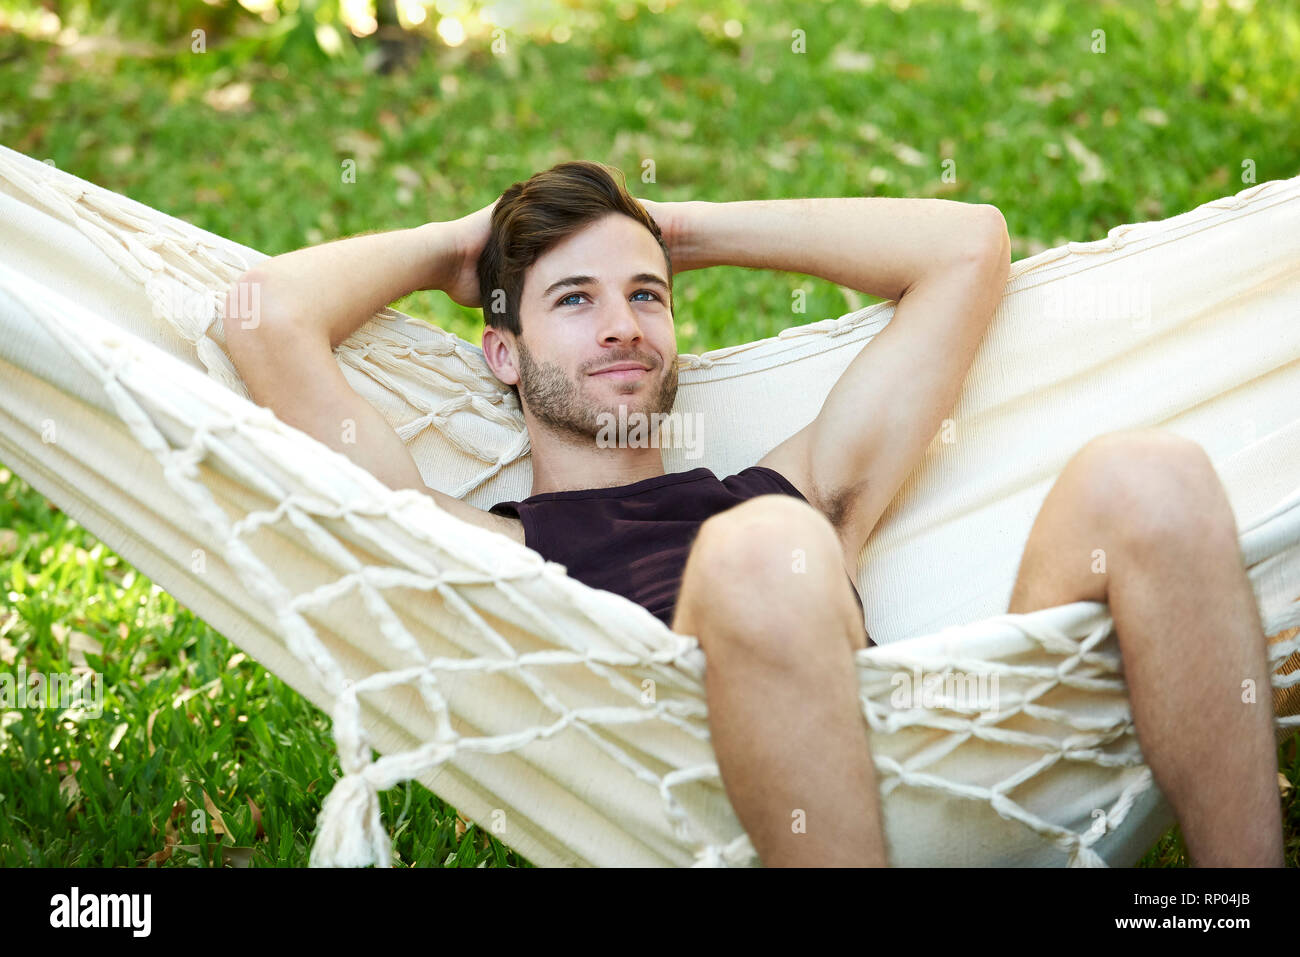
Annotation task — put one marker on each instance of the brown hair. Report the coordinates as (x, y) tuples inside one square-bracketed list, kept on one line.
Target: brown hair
[(532, 216)]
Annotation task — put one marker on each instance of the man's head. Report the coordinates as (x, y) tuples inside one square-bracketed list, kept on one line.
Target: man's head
[(575, 277)]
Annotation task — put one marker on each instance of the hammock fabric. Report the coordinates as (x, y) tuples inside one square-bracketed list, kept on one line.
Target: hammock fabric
[(570, 722)]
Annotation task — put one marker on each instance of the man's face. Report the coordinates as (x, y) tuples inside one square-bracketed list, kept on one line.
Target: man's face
[(597, 299)]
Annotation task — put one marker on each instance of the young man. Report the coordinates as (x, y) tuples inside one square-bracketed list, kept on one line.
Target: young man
[(575, 279)]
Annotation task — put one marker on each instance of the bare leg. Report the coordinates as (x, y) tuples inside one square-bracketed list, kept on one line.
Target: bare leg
[(778, 631), (1188, 628)]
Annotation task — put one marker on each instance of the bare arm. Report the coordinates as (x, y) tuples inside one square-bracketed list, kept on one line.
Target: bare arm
[(878, 245), (310, 300), (886, 407), (946, 263), (334, 288)]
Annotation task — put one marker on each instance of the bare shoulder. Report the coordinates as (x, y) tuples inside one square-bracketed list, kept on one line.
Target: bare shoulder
[(512, 528)]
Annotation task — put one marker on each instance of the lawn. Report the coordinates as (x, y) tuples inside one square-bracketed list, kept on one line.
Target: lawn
[(1070, 117)]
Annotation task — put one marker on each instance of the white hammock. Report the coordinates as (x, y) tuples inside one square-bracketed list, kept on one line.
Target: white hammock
[(568, 721)]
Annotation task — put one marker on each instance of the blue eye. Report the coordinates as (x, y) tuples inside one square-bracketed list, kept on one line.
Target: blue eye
[(648, 292)]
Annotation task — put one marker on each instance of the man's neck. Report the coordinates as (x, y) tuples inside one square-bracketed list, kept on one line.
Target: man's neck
[(565, 465)]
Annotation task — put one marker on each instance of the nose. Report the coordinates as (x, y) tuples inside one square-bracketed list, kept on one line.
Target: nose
[(620, 323)]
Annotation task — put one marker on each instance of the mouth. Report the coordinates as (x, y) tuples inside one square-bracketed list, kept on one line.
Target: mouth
[(623, 371)]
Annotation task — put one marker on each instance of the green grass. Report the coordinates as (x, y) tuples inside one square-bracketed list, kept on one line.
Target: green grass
[(187, 720), (1066, 141)]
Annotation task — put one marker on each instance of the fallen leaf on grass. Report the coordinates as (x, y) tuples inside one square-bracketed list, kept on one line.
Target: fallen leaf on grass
[(211, 689), (159, 857), (909, 155), (848, 60), (116, 738), (218, 822), (1093, 169), (230, 97), (257, 818), (230, 855), (237, 856), (148, 730), (69, 788), (1153, 115), (79, 644), (171, 827)]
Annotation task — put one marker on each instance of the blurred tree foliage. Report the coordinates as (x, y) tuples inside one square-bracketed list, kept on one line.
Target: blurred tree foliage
[(381, 32)]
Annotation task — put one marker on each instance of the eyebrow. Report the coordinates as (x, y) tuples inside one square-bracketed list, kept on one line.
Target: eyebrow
[(643, 277)]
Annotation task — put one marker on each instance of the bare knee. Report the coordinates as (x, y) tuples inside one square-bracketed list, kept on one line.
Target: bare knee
[(767, 540), (763, 568), (1150, 488)]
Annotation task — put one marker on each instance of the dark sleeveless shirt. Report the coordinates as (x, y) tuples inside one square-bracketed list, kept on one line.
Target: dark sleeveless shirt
[(634, 539)]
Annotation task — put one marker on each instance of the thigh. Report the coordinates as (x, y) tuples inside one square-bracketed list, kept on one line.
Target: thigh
[(1064, 559), (1119, 489)]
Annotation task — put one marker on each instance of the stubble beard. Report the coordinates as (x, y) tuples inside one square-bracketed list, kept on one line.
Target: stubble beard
[(558, 401)]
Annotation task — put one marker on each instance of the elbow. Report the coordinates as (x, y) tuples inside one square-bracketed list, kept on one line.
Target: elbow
[(251, 311), (253, 324), (991, 242), (243, 306), (986, 246)]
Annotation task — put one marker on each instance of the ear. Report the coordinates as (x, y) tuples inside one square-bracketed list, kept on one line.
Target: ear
[(499, 353)]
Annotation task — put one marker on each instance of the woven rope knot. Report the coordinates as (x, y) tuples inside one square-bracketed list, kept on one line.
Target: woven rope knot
[(1086, 857), (349, 830), (349, 736)]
